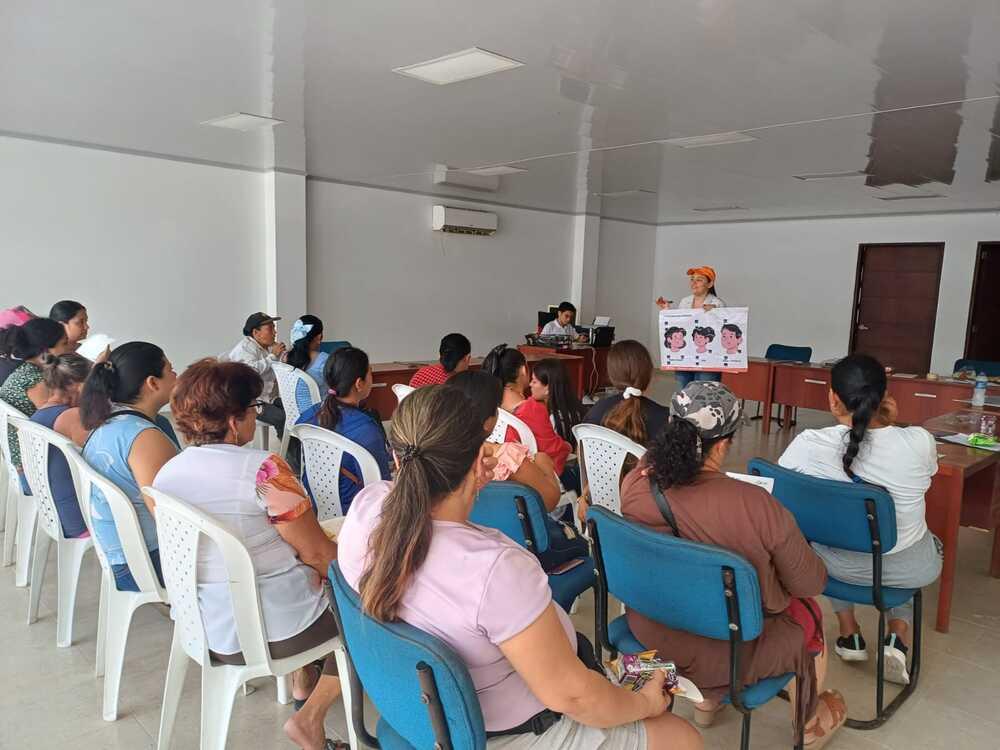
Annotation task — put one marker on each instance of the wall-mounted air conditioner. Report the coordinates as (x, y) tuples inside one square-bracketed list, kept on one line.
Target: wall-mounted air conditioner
[(464, 221)]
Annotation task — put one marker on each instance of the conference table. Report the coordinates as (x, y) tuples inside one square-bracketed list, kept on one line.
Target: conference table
[(966, 489), (387, 374)]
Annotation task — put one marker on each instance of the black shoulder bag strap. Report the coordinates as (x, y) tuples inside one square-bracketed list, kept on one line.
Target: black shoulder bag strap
[(664, 506)]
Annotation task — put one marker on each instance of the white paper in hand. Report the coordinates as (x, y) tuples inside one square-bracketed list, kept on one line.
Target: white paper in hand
[(766, 482), (92, 346)]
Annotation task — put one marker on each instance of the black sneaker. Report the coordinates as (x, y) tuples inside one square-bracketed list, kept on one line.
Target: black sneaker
[(895, 660), (852, 648)]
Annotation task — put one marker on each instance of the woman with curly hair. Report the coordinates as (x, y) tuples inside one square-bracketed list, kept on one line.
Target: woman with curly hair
[(679, 488)]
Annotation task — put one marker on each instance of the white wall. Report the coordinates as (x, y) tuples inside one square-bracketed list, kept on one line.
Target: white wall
[(380, 278), (158, 250), (625, 279), (797, 277)]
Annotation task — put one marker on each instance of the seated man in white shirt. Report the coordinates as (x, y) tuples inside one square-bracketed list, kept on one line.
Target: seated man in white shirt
[(563, 323), (259, 348)]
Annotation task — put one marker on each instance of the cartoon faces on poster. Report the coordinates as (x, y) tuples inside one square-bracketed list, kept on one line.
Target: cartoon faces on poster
[(711, 340)]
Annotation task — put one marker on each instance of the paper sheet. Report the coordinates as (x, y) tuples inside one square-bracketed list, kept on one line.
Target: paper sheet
[(697, 340), (960, 438), (766, 482)]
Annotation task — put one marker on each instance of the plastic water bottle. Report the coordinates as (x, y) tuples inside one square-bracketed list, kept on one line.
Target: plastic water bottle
[(979, 394)]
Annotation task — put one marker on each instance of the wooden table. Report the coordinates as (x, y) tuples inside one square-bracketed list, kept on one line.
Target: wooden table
[(574, 362), (387, 374), (754, 384), (595, 362), (964, 492)]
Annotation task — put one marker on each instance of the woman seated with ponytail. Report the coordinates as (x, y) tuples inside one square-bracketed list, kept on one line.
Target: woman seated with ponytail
[(25, 347), (867, 447), (630, 413), (348, 377), (410, 551), (679, 488), (515, 462), (63, 376), (510, 366), (305, 337), (129, 442)]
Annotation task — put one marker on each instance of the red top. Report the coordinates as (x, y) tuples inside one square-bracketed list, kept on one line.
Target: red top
[(430, 375), (536, 416)]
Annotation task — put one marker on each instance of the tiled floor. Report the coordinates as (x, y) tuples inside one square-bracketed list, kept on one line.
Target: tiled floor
[(50, 698)]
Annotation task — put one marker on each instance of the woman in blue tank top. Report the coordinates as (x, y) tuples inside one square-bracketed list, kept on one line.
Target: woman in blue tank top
[(63, 376), (129, 442)]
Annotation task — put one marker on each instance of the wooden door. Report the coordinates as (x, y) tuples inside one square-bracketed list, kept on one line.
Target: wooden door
[(982, 339), (895, 304)]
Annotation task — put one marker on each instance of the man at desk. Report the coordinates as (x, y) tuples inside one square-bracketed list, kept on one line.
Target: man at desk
[(563, 323)]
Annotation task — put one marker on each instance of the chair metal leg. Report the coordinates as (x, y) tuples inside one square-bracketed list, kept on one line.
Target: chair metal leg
[(745, 734), (884, 713)]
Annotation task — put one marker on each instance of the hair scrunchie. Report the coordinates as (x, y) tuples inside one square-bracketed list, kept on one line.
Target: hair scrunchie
[(408, 453), (631, 392)]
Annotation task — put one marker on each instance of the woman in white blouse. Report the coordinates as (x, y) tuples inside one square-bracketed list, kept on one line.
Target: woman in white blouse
[(702, 297), (260, 500)]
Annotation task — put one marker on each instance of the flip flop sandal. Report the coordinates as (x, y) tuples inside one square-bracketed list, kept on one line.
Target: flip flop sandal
[(299, 703), (331, 745), (837, 707)]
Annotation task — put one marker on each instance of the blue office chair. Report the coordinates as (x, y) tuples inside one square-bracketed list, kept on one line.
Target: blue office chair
[(421, 687), (990, 369), (698, 588), (331, 346), (518, 511), (785, 353), (859, 517)]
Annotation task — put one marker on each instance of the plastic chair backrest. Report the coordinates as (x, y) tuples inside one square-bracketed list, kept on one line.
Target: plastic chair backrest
[(831, 512), (331, 346), (179, 527), (784, 353), (504, 420), (6, 412), (686, 591), (386, 656), (988, 368), (87, 479), (604, 453), (516, 510), (322, 454), (35, 440), (288, 379), (402, 391)]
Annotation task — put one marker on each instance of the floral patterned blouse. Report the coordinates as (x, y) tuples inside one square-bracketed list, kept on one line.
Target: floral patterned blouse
[(15, 392)]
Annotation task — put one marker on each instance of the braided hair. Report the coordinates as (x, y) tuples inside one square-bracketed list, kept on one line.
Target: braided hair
[(860, 383)]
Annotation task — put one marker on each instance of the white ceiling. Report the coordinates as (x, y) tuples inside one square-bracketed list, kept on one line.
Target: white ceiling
[(904, 90)]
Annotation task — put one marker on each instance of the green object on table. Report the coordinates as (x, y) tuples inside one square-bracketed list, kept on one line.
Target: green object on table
[(979, 438)]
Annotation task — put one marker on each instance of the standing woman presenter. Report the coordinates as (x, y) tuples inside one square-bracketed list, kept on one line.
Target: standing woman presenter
[(702, 297)]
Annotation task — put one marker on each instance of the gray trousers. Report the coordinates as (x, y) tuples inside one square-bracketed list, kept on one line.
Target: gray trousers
[(914, 567)]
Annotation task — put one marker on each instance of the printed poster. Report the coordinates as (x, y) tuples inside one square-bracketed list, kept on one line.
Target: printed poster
[(714, 341)]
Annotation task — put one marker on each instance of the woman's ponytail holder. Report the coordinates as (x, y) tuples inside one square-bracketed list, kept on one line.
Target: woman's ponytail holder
[(631, 392), (332, 391), (109, 367), (407, 453)]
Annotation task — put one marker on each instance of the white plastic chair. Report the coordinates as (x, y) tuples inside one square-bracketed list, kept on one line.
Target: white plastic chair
[(116, 607), (288, 378), (603, 455), (21, 512), (180, 528), (402, 391), (35, 441), (504, 420), (322, 454)]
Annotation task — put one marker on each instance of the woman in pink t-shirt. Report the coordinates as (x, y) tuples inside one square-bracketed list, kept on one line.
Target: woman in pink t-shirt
[(410, 551)]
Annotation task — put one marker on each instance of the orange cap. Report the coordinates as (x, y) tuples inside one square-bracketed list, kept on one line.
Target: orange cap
[(707, 271)]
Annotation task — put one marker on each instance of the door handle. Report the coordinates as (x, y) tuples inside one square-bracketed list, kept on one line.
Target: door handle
[(814, 382), (863, 327), (925, 395), (379, 385)]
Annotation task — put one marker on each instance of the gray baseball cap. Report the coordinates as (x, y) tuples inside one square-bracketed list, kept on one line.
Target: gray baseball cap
[(709, 406)]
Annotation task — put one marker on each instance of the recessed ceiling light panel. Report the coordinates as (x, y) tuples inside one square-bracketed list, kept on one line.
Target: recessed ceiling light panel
[(497, 171), (713, 139), (243, 121), (459, 66), (712, 209), (909, 197), (810, 176), (626, 193)]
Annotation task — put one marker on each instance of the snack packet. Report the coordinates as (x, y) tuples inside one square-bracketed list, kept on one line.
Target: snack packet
[(634, 670)]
